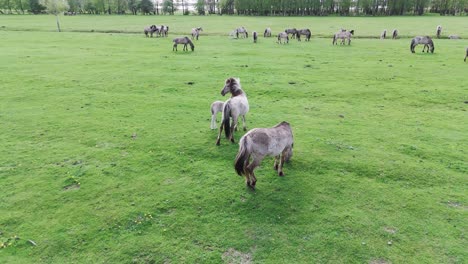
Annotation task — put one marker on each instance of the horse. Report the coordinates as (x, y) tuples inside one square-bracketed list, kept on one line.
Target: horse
[(343, 35), (454, 37), (267, 32), (216, 107), (292, 31), (384, 34), (282, 36), (305, 32), (163, 30), (151, 29), (236, 106), (426, 40), (260, 142), (439, 30), (242, 31), (185, 41), (254, 35), (196, 32), (466, 55), (395, 34)]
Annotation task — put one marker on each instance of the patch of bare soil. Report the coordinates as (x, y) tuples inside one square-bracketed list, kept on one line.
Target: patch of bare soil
[(233, 256)]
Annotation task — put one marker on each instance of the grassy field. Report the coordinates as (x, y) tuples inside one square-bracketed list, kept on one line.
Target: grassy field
[(107, 155)]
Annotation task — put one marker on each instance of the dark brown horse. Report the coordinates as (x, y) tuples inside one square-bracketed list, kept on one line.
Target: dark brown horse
[(260, 142), (254, 34)]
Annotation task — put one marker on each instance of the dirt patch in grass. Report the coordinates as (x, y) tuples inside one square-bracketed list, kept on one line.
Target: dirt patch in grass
[(233, 256), (71, 187), (390, 230)]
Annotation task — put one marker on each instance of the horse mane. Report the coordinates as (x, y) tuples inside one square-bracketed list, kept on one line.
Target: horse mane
[(234, 86)]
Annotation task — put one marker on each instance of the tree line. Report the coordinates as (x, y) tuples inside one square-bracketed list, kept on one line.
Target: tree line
[(245, 7)]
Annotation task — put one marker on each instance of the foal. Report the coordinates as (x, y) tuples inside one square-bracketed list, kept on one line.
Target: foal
[(216, 107)]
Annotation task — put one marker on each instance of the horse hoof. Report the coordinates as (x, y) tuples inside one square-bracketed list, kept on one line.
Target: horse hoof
[(232, 140), (245, 129), (281, 174), (217, 143)]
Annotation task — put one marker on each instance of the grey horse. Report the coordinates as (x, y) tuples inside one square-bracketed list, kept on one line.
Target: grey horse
[(426, 40), (183, 40), (261, 142), (235, 107), (283, 37)]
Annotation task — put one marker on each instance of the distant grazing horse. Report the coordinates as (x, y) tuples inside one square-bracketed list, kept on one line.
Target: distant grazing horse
[(150, 30), (216, 107), (395, 34), (242, 31), (439, 30), (267, 33), (426, 40), (196, 32), (236, 106), (164, 30), (254, 34), (260, 142), (282, 37), (466, 55), (343, 35), (454, 37), (185, 41), (384, 34), (305, 32), (291, 31)]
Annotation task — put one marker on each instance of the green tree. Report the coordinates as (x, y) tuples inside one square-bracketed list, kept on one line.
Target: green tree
[(146, 7), (200, 7), (56, 7)]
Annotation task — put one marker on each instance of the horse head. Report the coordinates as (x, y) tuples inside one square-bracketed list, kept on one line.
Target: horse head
[(231, 86)]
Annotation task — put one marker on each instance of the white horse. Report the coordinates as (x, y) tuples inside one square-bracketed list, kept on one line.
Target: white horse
[(196, 32), (267, 32), (260, 142), (282, 38), (216, 107), (236, 106)]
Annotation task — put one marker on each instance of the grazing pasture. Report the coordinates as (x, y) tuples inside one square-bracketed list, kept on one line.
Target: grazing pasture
[(107, 154)]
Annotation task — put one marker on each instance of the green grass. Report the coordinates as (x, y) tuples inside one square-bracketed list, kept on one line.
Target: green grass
[(380, 144)]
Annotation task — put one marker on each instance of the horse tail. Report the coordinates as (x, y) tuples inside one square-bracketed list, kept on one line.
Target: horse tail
[(334, 39), (226, 117), (412, 44), (242, 157)]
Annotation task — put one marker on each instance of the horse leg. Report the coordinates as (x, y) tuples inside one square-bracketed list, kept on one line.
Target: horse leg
[(234, 125), (219, 134), (281, 162), (213, 121), (174, 47), (275, 165), (243, 123), (250, 171)]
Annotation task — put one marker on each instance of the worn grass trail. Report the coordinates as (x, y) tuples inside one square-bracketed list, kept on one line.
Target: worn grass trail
[(378, 173)]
